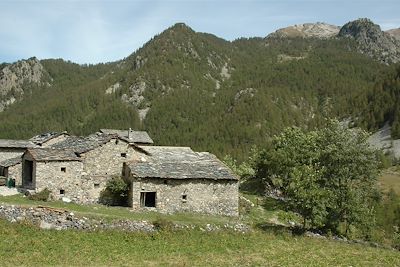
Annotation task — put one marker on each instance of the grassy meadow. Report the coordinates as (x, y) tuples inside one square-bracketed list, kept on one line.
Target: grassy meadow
[(28, 246), (23, 244)]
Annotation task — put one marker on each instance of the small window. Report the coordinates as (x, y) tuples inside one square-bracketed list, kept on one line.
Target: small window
[(63, 169), (62, 191), (148, 199), (165, 182), (116, 142), (96, 185), (184, 198), (123, 155)]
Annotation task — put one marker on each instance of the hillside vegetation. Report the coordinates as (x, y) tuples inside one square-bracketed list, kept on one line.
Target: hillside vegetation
[(190, 88)]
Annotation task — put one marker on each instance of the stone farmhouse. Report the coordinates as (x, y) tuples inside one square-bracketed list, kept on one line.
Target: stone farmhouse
[(176, 179), (165, 179)]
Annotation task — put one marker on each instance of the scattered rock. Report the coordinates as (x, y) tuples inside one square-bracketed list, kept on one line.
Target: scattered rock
[(66, 200), (45, 225)]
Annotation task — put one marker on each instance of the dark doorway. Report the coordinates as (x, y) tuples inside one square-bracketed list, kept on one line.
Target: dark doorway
[(28, 173), (148, 199)]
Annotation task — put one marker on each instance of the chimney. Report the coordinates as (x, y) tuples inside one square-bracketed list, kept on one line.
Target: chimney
[(129, 133)]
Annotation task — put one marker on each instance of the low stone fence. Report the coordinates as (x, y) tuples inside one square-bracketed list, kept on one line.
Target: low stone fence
[(51, 218), (59, 219)]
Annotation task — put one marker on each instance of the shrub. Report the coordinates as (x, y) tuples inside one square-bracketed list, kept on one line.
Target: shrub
[(115, 193), (40, 196), (163, 224)]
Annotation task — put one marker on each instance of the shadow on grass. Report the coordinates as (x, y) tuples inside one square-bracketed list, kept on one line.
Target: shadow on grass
[(272, 204), (252, 187), (278, 229)]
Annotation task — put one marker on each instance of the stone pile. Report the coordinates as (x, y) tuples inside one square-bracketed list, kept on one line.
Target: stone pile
[(59, 219)]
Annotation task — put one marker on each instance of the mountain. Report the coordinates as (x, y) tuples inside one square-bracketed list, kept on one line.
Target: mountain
[(18, 78), (372, 40), (307, 30), (195, 89)]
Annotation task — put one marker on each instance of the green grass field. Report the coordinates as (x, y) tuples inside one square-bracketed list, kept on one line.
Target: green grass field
[(28, 246), (24, 244)]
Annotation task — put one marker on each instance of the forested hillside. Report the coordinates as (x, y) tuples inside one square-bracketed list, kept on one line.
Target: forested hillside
[(190, 88), (382, 104)]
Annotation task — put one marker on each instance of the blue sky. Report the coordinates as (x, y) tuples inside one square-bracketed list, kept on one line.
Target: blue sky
[(92, 31)]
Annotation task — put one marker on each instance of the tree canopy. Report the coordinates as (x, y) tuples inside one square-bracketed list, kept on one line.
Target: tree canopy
[(327, 175)]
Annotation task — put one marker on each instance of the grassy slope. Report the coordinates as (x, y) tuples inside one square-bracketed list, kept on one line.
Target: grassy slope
[(390, 179), (27, 245)]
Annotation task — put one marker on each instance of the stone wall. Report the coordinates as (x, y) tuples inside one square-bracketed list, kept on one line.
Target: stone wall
[(15, 172), (59, 219), (188, 195), (108, 159), (62, 178), (9, 153), (101, 164)]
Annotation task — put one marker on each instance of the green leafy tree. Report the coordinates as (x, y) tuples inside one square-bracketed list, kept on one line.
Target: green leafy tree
[(327, 175)]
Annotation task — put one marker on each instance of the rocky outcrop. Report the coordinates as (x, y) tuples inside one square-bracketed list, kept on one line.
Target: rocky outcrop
[(307, 30), (136, 91), (372, 41), (382, 140), (15, 77)]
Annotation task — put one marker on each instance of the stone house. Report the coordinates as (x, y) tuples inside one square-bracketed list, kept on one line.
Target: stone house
[(177, 179), (92, 161), (56, 169), (166, 179)]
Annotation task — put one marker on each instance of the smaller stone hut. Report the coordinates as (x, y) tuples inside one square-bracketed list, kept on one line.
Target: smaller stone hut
[(55, 169), (11, 169), (177, 179)]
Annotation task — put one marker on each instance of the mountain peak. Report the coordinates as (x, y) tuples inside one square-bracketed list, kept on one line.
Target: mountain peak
[(360, 27), (180, 27), (307, 30), (371, 40)]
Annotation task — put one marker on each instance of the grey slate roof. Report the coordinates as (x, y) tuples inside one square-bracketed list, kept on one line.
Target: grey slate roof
[(44, 137), (11, 162), (52, 154), (6, 143), (81, 144), (179, 163), (140, 137)]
